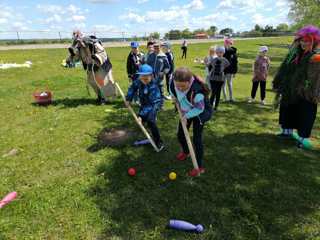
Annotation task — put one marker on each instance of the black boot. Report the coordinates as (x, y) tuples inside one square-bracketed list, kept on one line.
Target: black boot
[(100, 99), (103, 101)]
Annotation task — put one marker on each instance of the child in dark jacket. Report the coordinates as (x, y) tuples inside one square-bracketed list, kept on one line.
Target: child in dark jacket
[(230, 72), (150, 50), (166, 48), (134, 61), (150, 100), (217, 67), (191, 93)]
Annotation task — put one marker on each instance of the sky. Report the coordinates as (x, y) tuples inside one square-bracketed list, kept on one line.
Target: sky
[(135, 17)]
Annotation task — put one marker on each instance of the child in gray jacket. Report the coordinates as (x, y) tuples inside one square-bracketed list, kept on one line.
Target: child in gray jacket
[(216, 76)]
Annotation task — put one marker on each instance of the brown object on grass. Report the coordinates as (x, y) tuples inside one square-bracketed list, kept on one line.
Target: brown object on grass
[(114, 137)]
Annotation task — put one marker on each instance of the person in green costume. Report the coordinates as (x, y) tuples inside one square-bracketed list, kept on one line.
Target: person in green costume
[(297, 84)]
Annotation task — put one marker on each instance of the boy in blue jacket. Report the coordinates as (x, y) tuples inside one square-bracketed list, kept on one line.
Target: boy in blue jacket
[(150, 100), (192, 95)]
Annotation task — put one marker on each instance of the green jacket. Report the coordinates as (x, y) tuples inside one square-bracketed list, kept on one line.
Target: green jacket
[(299, 80)]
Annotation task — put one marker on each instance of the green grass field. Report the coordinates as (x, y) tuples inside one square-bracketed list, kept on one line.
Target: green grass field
[(256, 186)]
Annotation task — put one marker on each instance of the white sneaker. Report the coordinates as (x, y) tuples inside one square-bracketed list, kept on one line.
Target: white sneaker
[(263, 102), (251, 100)]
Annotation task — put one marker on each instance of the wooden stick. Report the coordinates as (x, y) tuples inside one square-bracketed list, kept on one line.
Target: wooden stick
[(187, 136), (137, 120)]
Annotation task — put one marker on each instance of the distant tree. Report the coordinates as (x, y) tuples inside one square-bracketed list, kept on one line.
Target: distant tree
[(186, 33), (258, 28), (282, 27), (226, 31), (155, 35), (212, 30), (174, 34), (268, 29), (305, 12)]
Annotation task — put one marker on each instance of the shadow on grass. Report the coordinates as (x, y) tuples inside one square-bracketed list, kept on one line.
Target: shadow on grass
[(74, 102), (77, 102), (256, 187)]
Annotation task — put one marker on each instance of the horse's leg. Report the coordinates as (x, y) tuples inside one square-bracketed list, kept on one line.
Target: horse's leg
[(115, 91), (93, 83), (109, 86)]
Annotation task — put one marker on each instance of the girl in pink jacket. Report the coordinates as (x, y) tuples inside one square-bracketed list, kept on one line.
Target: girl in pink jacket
[(260, 74)]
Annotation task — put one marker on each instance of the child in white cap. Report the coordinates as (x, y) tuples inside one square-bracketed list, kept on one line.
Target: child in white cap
[(260, 74)]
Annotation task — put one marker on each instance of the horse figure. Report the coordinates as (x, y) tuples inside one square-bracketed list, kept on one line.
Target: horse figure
[(97, 64)]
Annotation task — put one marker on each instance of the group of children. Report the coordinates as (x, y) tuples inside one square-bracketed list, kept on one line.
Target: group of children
[(193, 94), (221, 67), (159, 57), (189, 91), (147, 73)]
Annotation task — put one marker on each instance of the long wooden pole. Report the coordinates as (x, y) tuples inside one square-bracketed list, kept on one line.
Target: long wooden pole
[(187, 136), (137, 120)]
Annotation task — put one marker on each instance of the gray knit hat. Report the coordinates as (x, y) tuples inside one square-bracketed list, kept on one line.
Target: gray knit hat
[(220, 49)]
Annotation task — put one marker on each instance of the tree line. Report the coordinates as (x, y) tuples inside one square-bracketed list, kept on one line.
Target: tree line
[(213, 31), (302, 12)]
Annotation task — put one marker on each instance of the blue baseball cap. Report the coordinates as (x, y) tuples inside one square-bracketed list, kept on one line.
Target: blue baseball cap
[(134, 44), (145, 69)]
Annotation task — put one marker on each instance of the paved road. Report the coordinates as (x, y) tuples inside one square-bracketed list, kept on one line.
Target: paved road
[(106, 44)]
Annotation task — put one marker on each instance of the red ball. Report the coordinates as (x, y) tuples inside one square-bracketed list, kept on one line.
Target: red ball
[(131, 171)]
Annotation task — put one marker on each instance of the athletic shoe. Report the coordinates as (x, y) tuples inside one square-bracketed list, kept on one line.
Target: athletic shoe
[(194, 172), (295, 136), (167, 97), (181, 156), (160, 146), (263, 102), (251, 100), (306, 144)]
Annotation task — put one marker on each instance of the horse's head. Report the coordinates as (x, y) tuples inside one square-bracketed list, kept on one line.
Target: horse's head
[(89, 50), (79, 50)]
